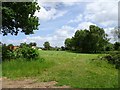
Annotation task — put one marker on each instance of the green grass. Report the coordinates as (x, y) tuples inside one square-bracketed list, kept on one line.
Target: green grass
[(72, 69), (20, 68)]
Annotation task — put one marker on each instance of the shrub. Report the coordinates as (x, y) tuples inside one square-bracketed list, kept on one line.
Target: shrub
[(24, 51), (6, 53), (114, 58), (29, 53)]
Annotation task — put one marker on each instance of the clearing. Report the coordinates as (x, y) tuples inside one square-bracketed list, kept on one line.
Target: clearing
[(60, 69)]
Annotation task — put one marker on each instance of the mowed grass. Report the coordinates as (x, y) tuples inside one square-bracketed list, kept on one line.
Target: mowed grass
[(71, 69)]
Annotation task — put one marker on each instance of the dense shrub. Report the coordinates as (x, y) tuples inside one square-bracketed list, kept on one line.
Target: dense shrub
[(6, 53), (117, 45), (28, 53), (114, 58), (24, 51)]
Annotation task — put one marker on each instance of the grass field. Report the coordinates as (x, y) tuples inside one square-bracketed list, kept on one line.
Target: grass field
[(71, 69)]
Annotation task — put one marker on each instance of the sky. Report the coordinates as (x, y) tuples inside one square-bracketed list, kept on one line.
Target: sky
[(59, 19)]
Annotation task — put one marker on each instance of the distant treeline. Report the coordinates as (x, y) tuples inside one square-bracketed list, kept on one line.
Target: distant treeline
[(94, 40)]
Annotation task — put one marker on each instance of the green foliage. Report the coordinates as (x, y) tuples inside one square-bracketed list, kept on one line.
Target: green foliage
[(116, 33), (21, 68), (114, 58), (24, 51), (72, 69), (117, 45), (88, 41), (33, 44), (68, 43), (19, 16), (29, 53), (6, 52), (109, 47), (46, 45), (62, 48)]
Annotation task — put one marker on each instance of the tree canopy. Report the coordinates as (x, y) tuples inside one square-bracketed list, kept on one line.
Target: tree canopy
[(92, 40), (33, 44), (68, 43), (47, 45), (117, 45), (116, 33), (19, 16)]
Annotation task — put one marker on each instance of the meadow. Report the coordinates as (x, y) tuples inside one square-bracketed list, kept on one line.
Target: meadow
[(72, 69)]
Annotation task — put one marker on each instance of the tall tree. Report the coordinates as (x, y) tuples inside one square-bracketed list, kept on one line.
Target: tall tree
[(47, 45), (81, 40), (19, 16), (98, 38), (93, 40)]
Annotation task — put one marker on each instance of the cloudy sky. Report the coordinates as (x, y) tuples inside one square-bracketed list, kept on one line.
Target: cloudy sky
[(59, 19)]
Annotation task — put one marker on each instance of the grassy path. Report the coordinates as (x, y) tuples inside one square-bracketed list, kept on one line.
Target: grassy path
[(70, 69)]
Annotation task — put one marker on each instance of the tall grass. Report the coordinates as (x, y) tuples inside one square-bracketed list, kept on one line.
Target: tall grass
[(72, 69), (22, 68)]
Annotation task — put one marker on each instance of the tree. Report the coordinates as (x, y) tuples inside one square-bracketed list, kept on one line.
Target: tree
[(62, 48), (24, 45), (109, 47), (88, 41), (116, 34), (10, 45), (98, 38), (47, 45), (32, 44), (117, 45), (81, 40), (19, 16), (68, 44)]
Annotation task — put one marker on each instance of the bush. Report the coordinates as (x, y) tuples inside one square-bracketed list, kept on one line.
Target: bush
[(114, 58), (6, 53), (24, 51), (29, 53)]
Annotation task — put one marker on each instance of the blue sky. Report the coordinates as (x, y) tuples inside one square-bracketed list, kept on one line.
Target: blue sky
[(60, 20)]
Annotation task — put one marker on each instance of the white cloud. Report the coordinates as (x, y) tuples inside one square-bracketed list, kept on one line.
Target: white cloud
[(61, 34), (48, 15), (51, 13), (76, 0), (77, 19), (64, 31), (59, 14), (104, 13), (56, 39), (15, 42), (84, 25), (100, 12), (109, 32)]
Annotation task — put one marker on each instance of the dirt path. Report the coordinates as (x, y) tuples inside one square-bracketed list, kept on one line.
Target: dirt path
[(28, 83)]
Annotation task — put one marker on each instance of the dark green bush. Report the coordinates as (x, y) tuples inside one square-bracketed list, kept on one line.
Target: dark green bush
[(29, 53), (114, 58), (23, 51), (6, 53)]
